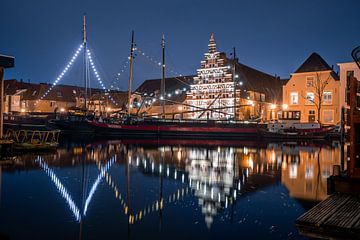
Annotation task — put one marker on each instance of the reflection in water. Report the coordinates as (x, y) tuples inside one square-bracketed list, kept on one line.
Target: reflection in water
[(217, 176)]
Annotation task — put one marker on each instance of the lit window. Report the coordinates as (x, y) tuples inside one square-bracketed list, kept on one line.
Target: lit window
[(310, 97), (310, 81), (294, 98), (327, 98), (328, 116)]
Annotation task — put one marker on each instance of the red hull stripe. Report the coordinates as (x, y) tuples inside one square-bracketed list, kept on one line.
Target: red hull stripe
[(153, 128)]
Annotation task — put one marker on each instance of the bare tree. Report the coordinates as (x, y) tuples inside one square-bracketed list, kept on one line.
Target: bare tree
[(318, 85)]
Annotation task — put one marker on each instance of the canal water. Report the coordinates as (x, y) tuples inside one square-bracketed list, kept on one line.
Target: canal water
[(163, 189)]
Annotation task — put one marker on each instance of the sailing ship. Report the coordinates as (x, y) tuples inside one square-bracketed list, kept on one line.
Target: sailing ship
[(166, 128)]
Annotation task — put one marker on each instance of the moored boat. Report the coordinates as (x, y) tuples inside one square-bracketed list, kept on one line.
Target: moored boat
[(177, 129)]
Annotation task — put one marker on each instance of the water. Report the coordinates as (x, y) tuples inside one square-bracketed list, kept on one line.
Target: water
[(163, 190)]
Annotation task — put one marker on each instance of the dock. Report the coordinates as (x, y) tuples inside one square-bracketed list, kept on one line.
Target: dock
[(337, 217)]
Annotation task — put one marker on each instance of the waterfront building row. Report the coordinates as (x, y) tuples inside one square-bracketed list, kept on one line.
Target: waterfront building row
[(223, 88)]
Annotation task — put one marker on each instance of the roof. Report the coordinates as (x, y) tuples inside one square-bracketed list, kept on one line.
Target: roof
[(172, 84), (34, 91), (257, 81), (314, 63), (119, 97)]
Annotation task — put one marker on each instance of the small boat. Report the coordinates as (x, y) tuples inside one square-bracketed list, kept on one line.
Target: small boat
[(74, 122), (290, 128), (33, 139)]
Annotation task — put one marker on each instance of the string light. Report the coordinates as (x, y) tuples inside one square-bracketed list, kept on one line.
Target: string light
[(92, 65), (61, 75)]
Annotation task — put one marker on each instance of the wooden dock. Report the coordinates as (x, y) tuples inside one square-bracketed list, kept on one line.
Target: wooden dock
[(337, 217)]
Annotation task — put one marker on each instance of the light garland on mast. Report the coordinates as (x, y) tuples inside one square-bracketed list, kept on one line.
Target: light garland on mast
[(61, 75), (88, 53)]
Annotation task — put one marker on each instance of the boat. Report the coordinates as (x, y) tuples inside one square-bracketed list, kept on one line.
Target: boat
[(74, 122), (289, 127), (33, 140), (183, 129)]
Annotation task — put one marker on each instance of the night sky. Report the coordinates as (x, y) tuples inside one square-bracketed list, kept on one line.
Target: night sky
[(274, 36)]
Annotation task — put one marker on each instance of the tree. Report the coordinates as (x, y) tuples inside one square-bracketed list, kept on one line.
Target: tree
[(318, 85)]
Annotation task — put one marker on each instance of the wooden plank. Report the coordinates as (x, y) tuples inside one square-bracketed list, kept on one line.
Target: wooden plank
[(346, 215), (322, 211)]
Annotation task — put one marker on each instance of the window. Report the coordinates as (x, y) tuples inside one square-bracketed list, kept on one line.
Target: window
[(294, 98), (327, 98), (328, 116), (309, 81), (310, 97), (59, 94), (349, 74), (52, 103)]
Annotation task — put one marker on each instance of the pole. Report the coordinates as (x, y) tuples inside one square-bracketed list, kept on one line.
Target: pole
[(131, 70), (85, 62), (234, 80), (1, 101), (162, 88)]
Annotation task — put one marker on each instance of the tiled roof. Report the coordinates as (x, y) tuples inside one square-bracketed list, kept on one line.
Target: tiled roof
[(257, 81), (314, 63), (34, 91), (171, 85)]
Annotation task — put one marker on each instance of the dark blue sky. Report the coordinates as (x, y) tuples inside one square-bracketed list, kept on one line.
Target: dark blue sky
[(274, 36)]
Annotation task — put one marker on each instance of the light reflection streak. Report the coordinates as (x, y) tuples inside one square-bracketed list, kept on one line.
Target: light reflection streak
[(96, 183), (64, 193)]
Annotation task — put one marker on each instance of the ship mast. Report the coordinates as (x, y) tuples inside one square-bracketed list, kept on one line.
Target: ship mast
[(162, 87), (131, 58), (85, 63)]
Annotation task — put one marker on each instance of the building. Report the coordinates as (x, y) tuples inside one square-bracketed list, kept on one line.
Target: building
[(314, 89), (213, 88), (33, 97), (347, 70), (174, 99)]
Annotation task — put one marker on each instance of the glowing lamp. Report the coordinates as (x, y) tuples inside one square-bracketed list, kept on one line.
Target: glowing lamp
[(108, 109), (285, 106), (272, 106), (62, 109), (22, 110)]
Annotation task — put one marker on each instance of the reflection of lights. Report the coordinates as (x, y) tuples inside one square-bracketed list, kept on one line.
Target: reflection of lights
[(60, 188), (175, 174), (293, 171), (246, 151), (239, 186), (182, 178), (167, 171), (251, 163), (234, 193), (273, 156), (226, 202), (152, 166), (96, 183)]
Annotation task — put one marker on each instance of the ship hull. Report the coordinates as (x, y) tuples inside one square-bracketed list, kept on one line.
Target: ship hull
[(183, 131)]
